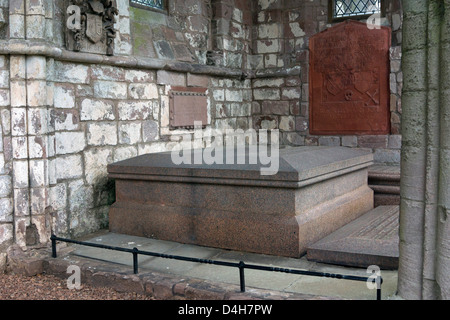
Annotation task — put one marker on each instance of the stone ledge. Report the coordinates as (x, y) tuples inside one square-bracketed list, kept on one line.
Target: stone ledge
[(160, 286), (48, 49)]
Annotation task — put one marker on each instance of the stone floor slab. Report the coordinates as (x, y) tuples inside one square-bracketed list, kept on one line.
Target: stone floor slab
[(371, 239), (275, 282)]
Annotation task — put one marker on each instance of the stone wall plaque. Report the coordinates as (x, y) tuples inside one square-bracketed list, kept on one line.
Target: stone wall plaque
[(188, 105), (90, 26), (349, 80)]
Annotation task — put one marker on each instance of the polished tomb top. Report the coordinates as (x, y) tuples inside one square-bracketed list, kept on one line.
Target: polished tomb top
[(293, 167)]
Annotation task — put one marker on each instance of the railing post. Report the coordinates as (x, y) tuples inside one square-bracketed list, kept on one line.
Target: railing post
[(379, 282), (135, 260), (53, 239), (242, 275)]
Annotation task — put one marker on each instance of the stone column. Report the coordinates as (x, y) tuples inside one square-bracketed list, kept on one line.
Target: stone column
[(424, 268), (29, 125)]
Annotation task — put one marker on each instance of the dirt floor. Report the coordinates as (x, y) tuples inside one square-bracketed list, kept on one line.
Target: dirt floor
[(46, 287)]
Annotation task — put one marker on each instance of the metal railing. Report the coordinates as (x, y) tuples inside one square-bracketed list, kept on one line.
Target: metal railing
[(240, 265)]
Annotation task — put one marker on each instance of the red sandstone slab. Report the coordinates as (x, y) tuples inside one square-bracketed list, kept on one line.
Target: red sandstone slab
[(369, 240), (349, 80)]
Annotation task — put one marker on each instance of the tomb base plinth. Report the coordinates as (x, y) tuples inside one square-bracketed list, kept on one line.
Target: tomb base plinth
[(315, 191)]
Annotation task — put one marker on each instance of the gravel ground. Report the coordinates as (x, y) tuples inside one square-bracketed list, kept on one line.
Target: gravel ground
[(46, 287)]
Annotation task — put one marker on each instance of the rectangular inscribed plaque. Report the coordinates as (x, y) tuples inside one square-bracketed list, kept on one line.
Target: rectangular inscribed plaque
[(349, 80), (188, 105)]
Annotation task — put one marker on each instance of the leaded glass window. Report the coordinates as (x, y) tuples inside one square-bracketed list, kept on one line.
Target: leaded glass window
[(354, 8), (149, 4)]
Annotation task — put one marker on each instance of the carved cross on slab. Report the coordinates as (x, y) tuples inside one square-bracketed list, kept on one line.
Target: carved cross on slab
[(90, 26)]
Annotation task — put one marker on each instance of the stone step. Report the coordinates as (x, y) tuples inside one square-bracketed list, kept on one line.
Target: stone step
[(369, 240), (385, 182)]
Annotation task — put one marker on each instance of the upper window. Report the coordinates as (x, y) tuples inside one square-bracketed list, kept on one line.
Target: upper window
[(341, 9), (149, 4)]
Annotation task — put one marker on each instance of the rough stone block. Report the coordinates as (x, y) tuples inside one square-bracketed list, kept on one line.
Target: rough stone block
[(233, 95), (95, 164), (18, 121), (291, 93), (194, 80), (124, 153), (65, 120), (269, 31), (102, 133), (108, 73), (20, 147), (71, 73), (18, 94), (266, 94), (329, 141), (17, 26), (4, 79), (69, 167), (97, 110), (36, 67), (130, 133), (23, 263), (69, 142), (143, 91), (135, 110), (171, 78), (110, 89), (268, 46), (275, 108), (4, 98), (37, 121), (63, 96), (6, 233), (6, 210), (5, 186), (219, 94), (261, 83), (139, 76), (287, 123), (150, 131), (37, 147)]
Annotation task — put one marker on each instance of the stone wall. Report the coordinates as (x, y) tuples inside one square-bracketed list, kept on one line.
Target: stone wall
[(66, 115), (281, 40)]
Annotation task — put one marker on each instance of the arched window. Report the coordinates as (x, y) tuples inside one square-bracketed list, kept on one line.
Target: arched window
[(149, 4)]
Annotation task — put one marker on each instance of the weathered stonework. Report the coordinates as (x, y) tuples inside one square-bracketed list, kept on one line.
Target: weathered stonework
[(66, 115)]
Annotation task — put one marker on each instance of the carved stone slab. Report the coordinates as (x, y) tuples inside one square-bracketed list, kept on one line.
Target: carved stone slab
[(90, 26), (371, 239), (188, 105), (349, 80)]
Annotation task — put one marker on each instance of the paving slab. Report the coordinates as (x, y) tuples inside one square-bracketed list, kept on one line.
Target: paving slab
[(276, 282), (371, 239)]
